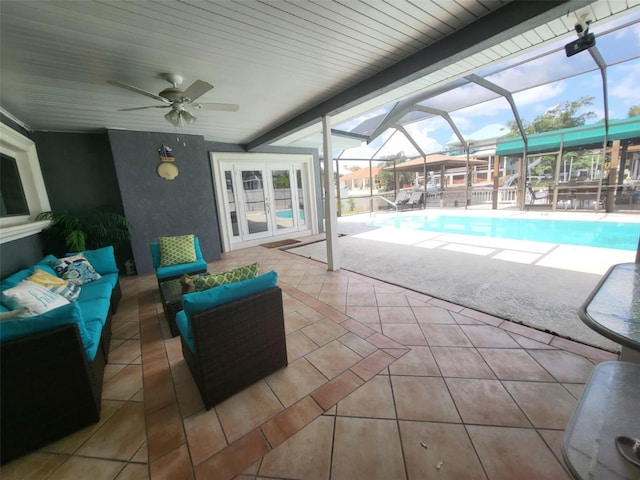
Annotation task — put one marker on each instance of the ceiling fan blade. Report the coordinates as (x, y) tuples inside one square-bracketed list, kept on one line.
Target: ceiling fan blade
[(223, 107), (137, 90), (142, 108), (197, 89)]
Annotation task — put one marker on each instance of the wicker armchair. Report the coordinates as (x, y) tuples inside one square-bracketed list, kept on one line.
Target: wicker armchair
[(236, 344)]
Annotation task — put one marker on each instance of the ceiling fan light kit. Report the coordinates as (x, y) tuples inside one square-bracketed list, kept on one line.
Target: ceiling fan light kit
[(176, 99)]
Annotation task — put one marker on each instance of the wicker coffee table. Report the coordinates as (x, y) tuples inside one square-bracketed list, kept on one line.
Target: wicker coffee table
[(171, 293)]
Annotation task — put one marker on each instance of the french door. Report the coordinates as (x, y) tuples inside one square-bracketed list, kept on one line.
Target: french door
[(264, 200)]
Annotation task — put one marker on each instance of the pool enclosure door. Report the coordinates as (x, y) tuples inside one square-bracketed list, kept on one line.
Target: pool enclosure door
[(262, 200)]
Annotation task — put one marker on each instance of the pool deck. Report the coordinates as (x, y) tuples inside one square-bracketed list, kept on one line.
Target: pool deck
[(538, 284)]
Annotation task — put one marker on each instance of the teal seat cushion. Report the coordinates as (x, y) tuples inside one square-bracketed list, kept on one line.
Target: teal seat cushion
[(67, 314), (46, 265), (179, 270), (96, 309), (93, 290), (200, 301), (94, 330), (182, 321), (102, 260)]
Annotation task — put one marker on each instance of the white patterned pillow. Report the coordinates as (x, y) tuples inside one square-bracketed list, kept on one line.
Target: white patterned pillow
[(177, 250), (33, 297), (68, 290), (76, 269)]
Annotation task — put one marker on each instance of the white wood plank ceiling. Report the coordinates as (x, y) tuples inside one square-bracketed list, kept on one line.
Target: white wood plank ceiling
[(282, 61)]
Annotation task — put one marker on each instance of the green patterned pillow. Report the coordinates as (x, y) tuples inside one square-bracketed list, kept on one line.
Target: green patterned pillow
[(210, 280), (177, 250)]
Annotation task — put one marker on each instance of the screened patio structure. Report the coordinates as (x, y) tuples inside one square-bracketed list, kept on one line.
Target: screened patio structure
[(506, 86)]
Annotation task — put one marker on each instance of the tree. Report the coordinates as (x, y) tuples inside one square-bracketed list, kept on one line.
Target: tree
[(634, 111), (563, 115), (385, 178)]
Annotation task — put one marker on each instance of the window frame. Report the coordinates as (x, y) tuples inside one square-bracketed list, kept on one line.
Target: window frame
[(24, 151)]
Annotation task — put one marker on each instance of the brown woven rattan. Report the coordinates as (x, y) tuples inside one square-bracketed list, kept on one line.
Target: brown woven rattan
[(48, 387), (237, 344)]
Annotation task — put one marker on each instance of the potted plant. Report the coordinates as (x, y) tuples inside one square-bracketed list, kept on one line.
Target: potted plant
[(101, 227)]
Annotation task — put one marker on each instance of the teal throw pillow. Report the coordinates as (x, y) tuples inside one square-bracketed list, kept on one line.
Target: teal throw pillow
[(177, 250), (103, 260), (210, 280)]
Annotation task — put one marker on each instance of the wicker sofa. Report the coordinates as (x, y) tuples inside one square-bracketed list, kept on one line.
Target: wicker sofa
[(52, 369), (232, 345)]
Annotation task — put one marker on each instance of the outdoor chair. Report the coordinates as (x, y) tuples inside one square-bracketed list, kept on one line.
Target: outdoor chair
[(402, 197), (234, 344), (415, 201), (169, 264)]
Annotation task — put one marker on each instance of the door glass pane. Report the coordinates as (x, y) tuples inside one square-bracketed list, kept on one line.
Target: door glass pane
[(301, 215), (231, 203), (282, 198), (254, 201), (12, 198)]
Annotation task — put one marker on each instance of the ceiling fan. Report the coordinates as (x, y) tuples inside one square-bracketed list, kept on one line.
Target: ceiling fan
[(178, 100)]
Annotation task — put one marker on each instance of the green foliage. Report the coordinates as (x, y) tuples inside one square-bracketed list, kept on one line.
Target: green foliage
[(563, 115), (385, 178), (281, 181), (352, 204), (70, 233), (634, 111)]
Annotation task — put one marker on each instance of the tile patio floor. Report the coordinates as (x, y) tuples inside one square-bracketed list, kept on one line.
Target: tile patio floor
[(382, 383)]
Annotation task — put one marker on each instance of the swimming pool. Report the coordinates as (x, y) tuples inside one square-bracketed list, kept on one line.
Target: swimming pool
[(601, 234)]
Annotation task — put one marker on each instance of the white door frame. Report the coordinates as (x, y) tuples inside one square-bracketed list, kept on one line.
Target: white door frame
[(267, 159)]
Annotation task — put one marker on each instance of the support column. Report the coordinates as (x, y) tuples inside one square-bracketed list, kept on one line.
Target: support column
[(330, 211)]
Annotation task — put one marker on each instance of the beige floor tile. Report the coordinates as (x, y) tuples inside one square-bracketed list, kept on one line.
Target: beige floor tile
[(396, 315), (124, 385), (128, 352), (125, 330), (547, 405), (512, 364), (488, 336), (298, 345), (34, 466), (554, 439), (373, 399), (409, 335), (530, 344), (363, 314), (514, 453), (247, 410), (324, 331), (333, 358), (295, 321), (307, 454), (575, 389), (431, 314), (295, 381), (360, 299), (134, 472), (445, 443), (418, 361), (204, 435), (564, 366), (461, 362), (120, 436), (438, 335), (423, 398), (391, 299), (485, 402), (365, 449), (90, 468), (357, 344)]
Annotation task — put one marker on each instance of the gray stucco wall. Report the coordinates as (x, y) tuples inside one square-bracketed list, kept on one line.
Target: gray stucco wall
[(158, 207)]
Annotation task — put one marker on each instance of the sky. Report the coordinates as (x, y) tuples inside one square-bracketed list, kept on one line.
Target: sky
[(554, 81)]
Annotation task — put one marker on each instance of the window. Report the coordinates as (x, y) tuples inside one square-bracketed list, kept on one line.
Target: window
[(12, 199), (25, 196)]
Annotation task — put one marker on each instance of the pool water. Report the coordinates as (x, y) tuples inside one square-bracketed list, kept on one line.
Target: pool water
[(617, 235)]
